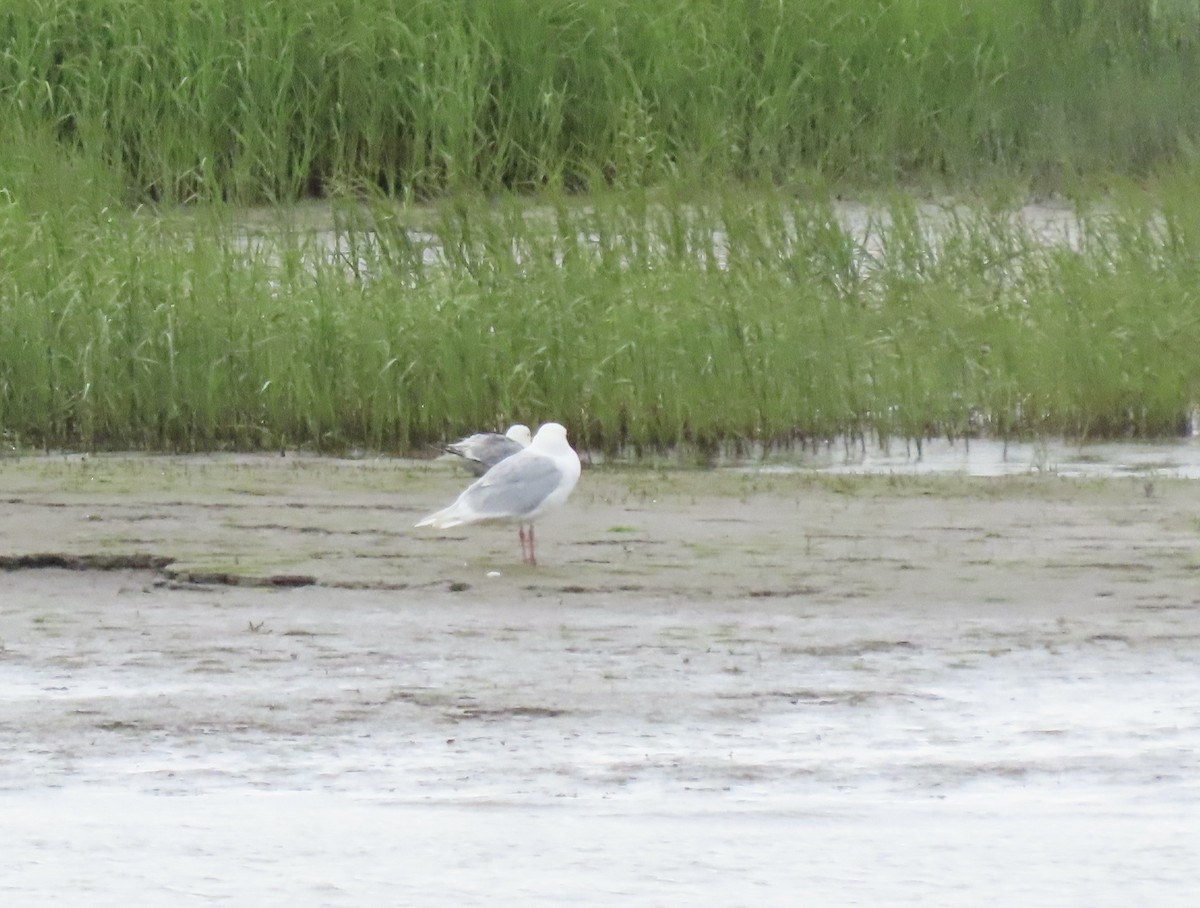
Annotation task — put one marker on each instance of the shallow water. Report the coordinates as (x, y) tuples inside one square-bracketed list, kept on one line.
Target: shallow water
[(1167, 458), (339, 747), (866, 225)]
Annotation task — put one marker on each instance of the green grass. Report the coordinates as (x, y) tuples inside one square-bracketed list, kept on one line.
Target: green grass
[(269, 101), (644, 312), (639, 319)]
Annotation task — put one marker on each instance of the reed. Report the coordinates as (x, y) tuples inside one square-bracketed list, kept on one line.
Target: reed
[(640, 319), (261, 101)]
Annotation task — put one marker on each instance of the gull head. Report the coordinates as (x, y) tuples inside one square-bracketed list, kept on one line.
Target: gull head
[(551, 438), (519, 434)]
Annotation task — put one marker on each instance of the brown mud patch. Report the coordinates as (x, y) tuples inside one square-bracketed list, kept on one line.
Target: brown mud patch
[(254, 664), (626, 533)]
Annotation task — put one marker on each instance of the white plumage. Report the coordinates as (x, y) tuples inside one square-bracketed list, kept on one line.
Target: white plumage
[(520, 488)]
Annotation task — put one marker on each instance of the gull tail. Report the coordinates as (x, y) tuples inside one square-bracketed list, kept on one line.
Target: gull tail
[(447, 517)]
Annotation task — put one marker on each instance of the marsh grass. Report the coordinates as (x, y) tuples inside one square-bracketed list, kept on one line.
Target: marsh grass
[(260, 101), (640, 319)]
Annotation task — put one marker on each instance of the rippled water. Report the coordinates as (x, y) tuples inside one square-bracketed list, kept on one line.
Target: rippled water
[(338, 747)]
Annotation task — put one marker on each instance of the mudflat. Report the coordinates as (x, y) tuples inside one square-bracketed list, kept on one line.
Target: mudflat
[(987, 546), (919, 684)]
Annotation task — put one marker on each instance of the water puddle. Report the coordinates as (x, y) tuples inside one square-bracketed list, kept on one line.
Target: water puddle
[(1165, 458)]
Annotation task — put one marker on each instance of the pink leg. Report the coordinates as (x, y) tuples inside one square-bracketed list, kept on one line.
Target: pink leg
[(521, 531), (532, 557)]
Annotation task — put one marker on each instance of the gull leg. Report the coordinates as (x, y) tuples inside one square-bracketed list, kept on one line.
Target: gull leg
[(532, 557), (521, 531)]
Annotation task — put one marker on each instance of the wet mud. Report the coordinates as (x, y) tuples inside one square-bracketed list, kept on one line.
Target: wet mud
[(249, 680)]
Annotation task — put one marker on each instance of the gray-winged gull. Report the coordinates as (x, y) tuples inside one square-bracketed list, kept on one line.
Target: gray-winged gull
[(518, 489), (483, 450)]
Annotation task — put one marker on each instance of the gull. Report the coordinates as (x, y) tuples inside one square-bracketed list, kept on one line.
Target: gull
[(519, 489), (483, 450)]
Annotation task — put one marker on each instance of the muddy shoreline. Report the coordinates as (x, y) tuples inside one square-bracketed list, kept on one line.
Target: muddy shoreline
[(261, 520), (926, 686)]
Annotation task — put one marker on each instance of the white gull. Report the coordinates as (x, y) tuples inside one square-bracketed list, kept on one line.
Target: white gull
[(518, 489), (483, 450)]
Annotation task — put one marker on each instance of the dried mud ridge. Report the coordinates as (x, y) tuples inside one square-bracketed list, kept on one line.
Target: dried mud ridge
[(143, 561), (182, 577)]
